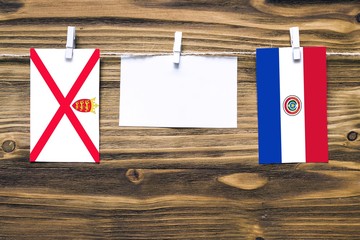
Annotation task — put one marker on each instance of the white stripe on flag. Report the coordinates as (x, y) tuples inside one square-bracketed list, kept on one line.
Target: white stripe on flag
[(292, 127)]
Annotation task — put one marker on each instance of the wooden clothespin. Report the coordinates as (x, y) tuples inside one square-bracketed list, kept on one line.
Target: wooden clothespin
[(70, 43), (177, 47), (295, 42)]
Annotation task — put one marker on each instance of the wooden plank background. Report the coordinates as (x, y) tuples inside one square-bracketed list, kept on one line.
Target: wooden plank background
[(180, 183)]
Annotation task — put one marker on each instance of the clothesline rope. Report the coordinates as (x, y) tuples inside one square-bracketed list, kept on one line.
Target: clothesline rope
[(129, 54)]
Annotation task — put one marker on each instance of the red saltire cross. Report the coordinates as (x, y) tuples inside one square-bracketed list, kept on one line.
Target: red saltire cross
[(64, 105)]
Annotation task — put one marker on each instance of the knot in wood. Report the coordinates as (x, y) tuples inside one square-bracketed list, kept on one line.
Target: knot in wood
[(352, 136), (8, 146), (259, 238), (135, 176), (358, 18)]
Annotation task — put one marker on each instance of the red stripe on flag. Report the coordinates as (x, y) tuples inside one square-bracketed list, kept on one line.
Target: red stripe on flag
[(83, 135), (46, 75), (316, 140)]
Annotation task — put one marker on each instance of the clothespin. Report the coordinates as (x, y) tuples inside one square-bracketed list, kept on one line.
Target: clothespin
[(70, 42), (177, 47), (295, 42)]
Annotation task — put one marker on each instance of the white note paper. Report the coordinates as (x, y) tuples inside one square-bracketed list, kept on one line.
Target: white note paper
[(200, 92)]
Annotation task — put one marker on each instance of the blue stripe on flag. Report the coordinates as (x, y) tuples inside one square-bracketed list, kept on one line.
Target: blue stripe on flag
[(268, 95)]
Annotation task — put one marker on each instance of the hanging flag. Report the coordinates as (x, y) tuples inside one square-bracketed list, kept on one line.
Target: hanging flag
[(64, 96), (292, 118)]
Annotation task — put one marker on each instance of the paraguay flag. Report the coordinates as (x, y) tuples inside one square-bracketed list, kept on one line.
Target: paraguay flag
[(291, 94)]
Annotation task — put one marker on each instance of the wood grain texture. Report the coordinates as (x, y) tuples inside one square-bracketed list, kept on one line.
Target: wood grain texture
[(166, 183)]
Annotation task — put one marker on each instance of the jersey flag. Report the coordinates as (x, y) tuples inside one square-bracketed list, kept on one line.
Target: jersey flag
[(64, 101)]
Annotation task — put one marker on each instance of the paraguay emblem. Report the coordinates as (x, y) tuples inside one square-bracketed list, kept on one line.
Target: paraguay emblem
[(292, 105), (85, 105)]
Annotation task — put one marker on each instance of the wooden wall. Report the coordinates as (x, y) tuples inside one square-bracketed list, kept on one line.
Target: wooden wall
[(180, 183)]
